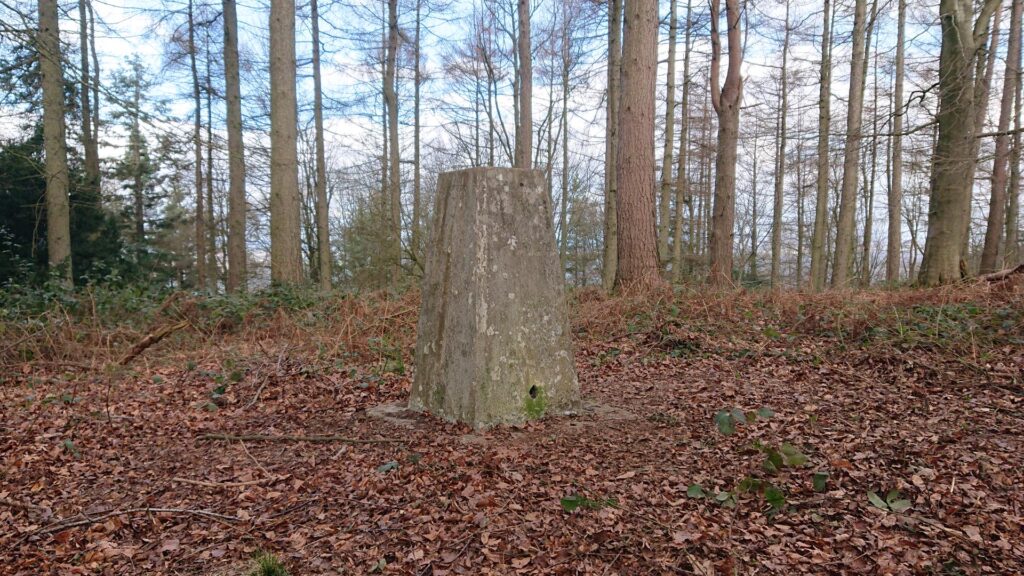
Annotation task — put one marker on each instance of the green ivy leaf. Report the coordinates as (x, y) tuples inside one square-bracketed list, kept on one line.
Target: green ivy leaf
[(793, 456), (725, 422), (765, 412), (820, 481), (748, 484), (739, 415), (773, 463), (877, 501), (695, 491), (387, 467), (775, 498), (900, 505)]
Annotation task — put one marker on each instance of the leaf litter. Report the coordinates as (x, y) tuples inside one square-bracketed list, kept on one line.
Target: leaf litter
[(892, 423)]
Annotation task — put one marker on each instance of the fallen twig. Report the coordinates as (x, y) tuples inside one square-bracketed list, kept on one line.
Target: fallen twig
[(293, 438), (219, 484), (150, 340), (63, 525)]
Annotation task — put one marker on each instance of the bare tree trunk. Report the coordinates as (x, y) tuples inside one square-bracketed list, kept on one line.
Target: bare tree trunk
[(89, 144), (417, 80), (997, 201), (683, 194), (983, 74), (864, 277), (753, 213), (197, 143), (394, 170), (323, 240), (564, 200), (664, 204), (1013, 203), (285, 248), (236, 278), (211, 222), (610, 258), (818, 259), (851, 153), (58, 213), (135, 146), (524, 128), (727, 105), (950, 195), (894, 242), (800, 236), (637, 237), (780, 162)]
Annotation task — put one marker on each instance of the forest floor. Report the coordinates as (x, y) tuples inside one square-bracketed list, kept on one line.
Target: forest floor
[(738, 433)]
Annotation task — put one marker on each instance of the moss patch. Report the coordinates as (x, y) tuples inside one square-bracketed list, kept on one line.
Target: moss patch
[(535, 403)]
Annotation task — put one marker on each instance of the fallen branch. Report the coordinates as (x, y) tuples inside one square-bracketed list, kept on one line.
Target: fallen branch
[(63, 525), (293, 438), (150, 340), (219, 484), (1002, 274)]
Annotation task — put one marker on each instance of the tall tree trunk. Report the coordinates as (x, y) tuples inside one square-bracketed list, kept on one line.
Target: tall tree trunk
[(683, 194), (851, 152), (58, 213), (818, 258), (394, 170), (524, 128), (417, 80), (997, 200), (95, 83), (285, 248), (236, 278), (637, 237), (1013, 203), (800, 193), (753, 213), (780, 162), (950, 195), (323, 240), (727, 105), (610, 257), (135, 146), (984, 72), (664, 204), (564, 200), (197, 144), (89, 144), (894, 242), (869, 184), (211, 222)]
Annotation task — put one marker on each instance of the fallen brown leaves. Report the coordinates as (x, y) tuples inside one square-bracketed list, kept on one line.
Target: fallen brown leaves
[(116, 473)]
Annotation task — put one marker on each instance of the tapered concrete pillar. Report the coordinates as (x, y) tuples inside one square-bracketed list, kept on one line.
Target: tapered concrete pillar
[(493, 340)]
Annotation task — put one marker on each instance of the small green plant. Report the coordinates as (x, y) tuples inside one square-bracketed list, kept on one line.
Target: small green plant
[(575, 501), (266, 564), (786, 456), (893, 501), (69, 446), (726, 420), (389, 355), (773, 496), (387, 467)]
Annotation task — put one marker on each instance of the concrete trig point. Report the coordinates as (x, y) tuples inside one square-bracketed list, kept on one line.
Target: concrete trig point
[(493, 343)]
